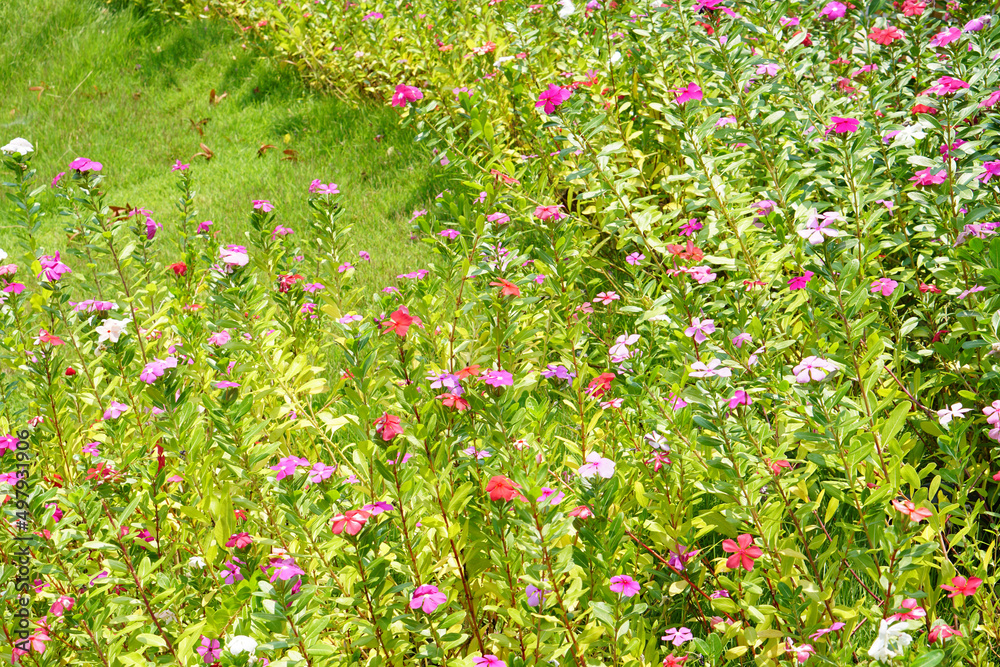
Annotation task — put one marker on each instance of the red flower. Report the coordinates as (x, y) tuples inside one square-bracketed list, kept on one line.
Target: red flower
[(807, 41), (582, 512), (499, 487), (454, 401), (886, 36), (352, 522), (285, 282), (467, 371), (70, 371), (179, 268), (686, 252), (922, 108), (743, 554), (399, 322), (388, 426), (938, 335), (924, 288), (600, 384), (509, 288), (504, 177), (709, 30)]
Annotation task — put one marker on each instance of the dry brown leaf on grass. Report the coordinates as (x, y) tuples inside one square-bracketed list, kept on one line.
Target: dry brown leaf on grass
[(264, 148), (40, 88), (205, 152), (199, 126), (291, 154), (215, 99)]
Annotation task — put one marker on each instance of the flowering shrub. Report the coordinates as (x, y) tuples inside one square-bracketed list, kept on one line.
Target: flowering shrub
[(704, 369)]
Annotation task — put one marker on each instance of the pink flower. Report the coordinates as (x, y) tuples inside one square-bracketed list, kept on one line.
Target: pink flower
[(219, 338), (941, 632), (62, 605), (427, 598), (597, 465), (801, 652), (916, 514), (739, 398), (262, 205), (947, 85), (990, 169), (364, 255), (320, 471), (925, 177), (700, 329), (825, 631), (553, 97), (607, 298), (833, 11), (739, 339), (692, 92), (52, 268), (636, 257), (813, 369), (405, 94), (945, 37), (550, 212), (625, 585), (799, 282), (179, 166), (744, 553), (287, 466), (962, 586), (115, 410), (912, 613), (83, 165), (884, 285), (352, 522), (210, 651), (972, 290), (240, 540), (842, 125), (488, 661), (990, 100), (677, 636), (499, 378), (768, 69)]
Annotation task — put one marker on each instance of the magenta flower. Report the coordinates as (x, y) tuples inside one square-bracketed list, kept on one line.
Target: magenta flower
[(320, 471), (375, 509), (536, 596), (636, 257), (843, 125), (884, 285), (226, 384), (945, 37), (990, 169), (83, 165), (799, 282), (825, 631), (739, 398), (405, 94), (285, 569), (553, 97), (450, 234), (550, 212), (972, 290), (52, 268), (203, 227), (833, 11), (990, 100), (678, 636), (947, 85), (767, 69), (499, 218), (692, 92), (286, 466), (89, 448), (625, 585), (700, 329), (427, 598), (500, 378), (210, 650), (179, 166), (488, 661), (925, 177)]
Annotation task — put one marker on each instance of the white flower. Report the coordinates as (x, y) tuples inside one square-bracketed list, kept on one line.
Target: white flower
[(196, 561), (701, 370), (19, 145), (956, 411), (908, 135), (241, 643), (816, 230), (891, 641), (3, 255), (167, 616), (111, 330), (566, 8)]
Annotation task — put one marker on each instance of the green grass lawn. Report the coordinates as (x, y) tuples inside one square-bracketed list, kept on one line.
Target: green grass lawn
[(77, 79)]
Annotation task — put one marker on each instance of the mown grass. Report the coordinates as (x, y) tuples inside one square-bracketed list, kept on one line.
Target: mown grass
[(127, 90)]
